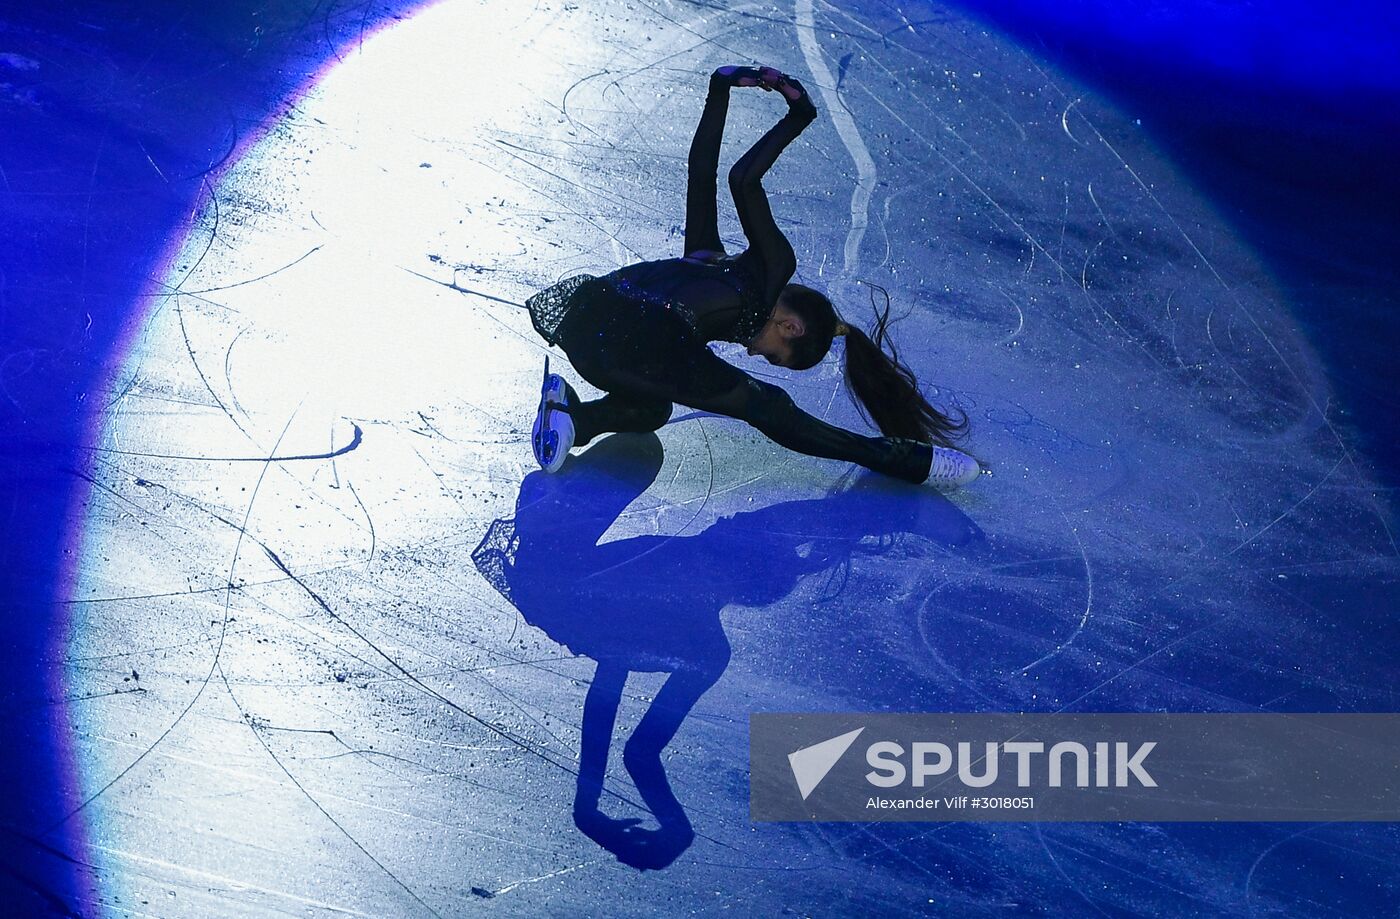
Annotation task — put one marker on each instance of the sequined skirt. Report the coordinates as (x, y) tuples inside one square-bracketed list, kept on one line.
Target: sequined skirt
[(549, 307), (586, 300)]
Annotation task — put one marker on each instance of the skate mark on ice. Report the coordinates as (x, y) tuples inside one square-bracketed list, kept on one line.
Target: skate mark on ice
[(262, 277), (218, 648), (1008, 216), (1309, 395), (545, 877), (228, 371), (295, 457), (262, 741), (1064, 120), (1055, 863), (1296, 504), (845, 129), (373, 538), (1088, 600)]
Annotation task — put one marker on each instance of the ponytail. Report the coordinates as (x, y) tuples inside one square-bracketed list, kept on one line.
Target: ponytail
[(885, 391)]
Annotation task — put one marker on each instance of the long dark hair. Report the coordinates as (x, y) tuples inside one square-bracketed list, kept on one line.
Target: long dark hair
[(883, 389)]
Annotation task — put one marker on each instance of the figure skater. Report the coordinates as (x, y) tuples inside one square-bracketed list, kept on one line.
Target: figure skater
[(640, 333)]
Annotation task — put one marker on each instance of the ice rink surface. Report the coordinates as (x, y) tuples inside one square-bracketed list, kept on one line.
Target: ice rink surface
[(330, 635)]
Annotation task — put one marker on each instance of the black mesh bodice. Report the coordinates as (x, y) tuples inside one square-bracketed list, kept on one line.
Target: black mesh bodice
[(721, 300)]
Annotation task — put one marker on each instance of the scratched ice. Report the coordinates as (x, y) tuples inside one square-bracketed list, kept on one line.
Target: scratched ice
[(335, 636)]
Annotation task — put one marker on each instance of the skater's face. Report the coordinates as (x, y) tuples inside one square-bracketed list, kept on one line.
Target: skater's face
[(774, 340)]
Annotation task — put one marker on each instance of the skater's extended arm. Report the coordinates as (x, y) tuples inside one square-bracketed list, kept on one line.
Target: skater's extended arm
[(714, 385), (769, 251)]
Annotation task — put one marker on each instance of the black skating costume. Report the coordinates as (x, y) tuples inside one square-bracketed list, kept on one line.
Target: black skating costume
[(640, 333)]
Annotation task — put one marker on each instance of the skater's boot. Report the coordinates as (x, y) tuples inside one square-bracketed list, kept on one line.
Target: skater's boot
[(951, 469), (553, 433)]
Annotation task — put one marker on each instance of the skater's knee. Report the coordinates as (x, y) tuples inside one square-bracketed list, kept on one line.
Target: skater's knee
[(631, 414), (652, 416)]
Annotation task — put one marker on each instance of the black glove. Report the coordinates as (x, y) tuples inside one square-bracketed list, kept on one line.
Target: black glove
[(802, 105), (770, 78), (737, 76)]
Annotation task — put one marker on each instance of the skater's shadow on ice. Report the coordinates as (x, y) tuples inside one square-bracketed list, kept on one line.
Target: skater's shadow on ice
[(652, 603)]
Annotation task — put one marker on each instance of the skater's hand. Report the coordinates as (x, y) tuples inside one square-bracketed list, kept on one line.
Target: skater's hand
[(794, 92), (740, 76), (769, 78), (788, 86)]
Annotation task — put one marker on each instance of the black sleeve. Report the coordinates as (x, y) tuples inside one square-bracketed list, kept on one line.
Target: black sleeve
[(769, 253), (701, 220)]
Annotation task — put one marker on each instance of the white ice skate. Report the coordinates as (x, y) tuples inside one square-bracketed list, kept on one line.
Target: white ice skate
[(952, 468), (553, 434)]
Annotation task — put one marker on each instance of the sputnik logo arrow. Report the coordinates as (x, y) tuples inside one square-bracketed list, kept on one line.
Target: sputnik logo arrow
[(811, 764)]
